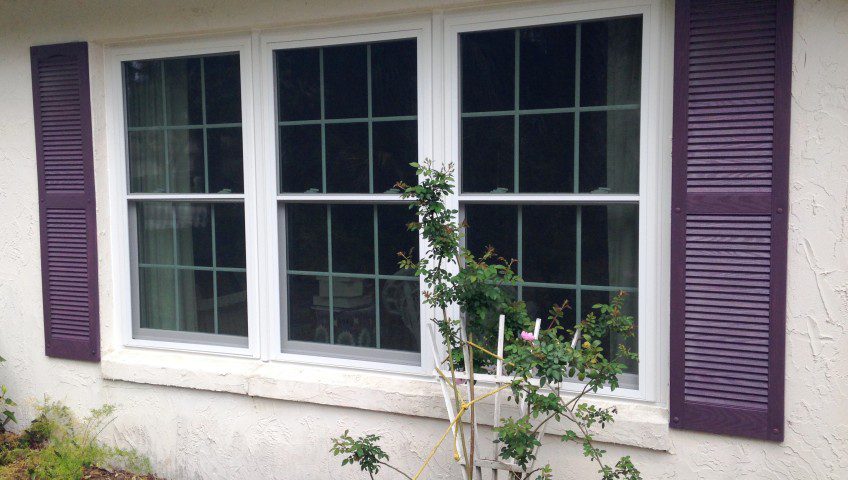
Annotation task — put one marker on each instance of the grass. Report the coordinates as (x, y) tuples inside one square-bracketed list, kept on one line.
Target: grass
[(58, 446)]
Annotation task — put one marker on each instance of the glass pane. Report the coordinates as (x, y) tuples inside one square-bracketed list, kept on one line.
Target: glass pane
[(146, 152), (300, 158), (232, 303), (309, 308), (353, 238), (546, 153), (345, 81), (487, 154), (306, 227), (488, 70), (399, 315), (157, 298), (609, 152), (610, 245), (395, 147), (185, 156), (611, 62), (223, 89), (353, 312), (539, 302), (143, 90), (393, 237), (155, 229), (298, 84), (226, 173), (183, 91), (495, 225), (547, 66), (393, 78), (548, 243), (194, 234), (347, 158), (229, 235), (612, 341), (196, 302)]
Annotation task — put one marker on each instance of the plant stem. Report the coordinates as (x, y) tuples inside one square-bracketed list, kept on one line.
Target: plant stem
[(393, 468), (470, 363)]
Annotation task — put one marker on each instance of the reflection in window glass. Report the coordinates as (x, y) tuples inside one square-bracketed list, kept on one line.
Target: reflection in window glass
[(349, 290), (191, 267), (347, 117), (183, 119)]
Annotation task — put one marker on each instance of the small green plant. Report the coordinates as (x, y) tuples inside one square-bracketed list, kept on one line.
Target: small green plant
[(68, 446), (363, 451), (6, 404)]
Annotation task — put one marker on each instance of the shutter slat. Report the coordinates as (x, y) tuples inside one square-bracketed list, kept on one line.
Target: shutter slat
[(61, 103), (730, 186)]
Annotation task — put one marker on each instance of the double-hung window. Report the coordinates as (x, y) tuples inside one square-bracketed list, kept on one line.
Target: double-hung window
[(182, 126), (293, 255), (347, 125), (546, 122)]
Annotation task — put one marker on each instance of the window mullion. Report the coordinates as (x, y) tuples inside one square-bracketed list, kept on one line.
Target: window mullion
[(370, 123), (205, 136), (323, 128), (517, 107), (330, 272), (376, 276), (578, 254)]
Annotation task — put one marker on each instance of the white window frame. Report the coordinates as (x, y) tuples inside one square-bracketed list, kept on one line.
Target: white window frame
[(279, 349), (438, 129), (120, 197), (650, 174)]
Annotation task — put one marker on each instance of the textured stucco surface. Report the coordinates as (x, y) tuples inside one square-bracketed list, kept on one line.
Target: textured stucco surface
[(199, 434)]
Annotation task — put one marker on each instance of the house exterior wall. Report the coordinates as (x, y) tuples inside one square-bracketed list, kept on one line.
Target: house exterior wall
[(226, 427)]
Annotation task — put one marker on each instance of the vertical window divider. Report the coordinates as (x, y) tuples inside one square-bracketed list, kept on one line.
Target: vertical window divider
[(578, 230), (165, 131), (214, 267), (330, 269), (323, 136), (519, 246), (517, 108), (177, 316), (203, 117), (376, 273), (370, 122)]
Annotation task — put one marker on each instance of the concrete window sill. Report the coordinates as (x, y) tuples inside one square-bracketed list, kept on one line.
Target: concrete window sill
[(637, 424)]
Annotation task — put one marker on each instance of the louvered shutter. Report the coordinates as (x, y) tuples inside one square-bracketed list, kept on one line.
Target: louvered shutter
[(61, 103), (729, 215)]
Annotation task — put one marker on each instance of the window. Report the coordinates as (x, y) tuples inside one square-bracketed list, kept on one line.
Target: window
[(549, 158), (347, 117), (292, 255), (186, 209)]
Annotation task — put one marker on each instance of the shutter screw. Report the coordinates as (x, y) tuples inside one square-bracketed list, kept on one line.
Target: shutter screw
[(775, 431), (676, 419), (677, 209), (779, 210)]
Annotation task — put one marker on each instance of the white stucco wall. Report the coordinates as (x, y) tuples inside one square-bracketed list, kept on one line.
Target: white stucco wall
[(200, 434)]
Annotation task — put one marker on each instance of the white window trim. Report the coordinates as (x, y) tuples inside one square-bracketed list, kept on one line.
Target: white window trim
[(326, 36), (438, 126), (120, 197)]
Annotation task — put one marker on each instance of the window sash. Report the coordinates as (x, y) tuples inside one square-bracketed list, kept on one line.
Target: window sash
[(281, 346)]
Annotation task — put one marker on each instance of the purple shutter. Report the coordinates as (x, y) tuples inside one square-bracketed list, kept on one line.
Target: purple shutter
[(61, 103), (729, 215)]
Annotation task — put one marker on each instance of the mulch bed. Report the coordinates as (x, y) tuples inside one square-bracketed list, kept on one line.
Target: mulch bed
[(101, 474)]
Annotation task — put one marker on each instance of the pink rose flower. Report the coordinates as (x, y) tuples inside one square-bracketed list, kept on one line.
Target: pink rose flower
[(527, 336)]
